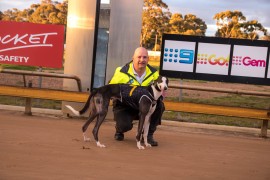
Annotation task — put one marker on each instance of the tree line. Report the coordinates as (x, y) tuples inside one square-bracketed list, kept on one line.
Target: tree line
[(48, 12), (156, 20)]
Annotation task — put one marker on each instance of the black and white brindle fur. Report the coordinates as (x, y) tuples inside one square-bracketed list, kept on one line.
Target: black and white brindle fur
[(99, 100)]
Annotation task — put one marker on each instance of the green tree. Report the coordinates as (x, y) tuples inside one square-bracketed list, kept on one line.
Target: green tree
[(45, 14), (155, 20), (188, 25), (63, 11), (233, 24), (266, 37), (15, 15), (48, 12)]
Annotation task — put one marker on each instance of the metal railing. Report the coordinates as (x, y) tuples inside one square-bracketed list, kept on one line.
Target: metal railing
[(223, 90), (44, 74), (264, 126)]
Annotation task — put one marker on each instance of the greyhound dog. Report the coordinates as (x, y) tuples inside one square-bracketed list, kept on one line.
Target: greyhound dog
[(142, 98)]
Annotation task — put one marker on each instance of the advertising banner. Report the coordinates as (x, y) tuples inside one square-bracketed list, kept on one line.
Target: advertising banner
[(268, 75), (31, 44), (215, 59), (179, 56), (249, 61)]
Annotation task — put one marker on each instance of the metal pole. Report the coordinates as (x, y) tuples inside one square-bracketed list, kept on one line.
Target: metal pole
[(28, 102), (39, 82), (156, 44), (32, 73), (180, 99), (40, 77)]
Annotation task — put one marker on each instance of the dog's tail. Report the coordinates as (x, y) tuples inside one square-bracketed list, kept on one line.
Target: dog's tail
[(77, 113), (86, 106)]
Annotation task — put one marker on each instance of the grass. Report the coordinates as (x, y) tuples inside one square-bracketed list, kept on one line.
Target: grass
[(232, 100), (226, 100), (19, 101), (26, 68), (229, 100), (154, 61), (38, 103), (15, 67), (212, 119), (244, 101)]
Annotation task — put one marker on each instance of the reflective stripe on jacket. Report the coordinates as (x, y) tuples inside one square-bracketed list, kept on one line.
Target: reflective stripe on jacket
[(125, 75)]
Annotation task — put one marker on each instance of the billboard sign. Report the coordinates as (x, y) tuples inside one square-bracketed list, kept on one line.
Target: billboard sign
[(215, 59), (179, 55), (31, 44), (268, 74), (249, 61)]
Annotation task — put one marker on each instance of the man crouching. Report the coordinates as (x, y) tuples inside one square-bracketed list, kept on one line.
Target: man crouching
[(139, 73)]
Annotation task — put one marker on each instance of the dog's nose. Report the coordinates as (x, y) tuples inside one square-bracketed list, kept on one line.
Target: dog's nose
[(166, 87)]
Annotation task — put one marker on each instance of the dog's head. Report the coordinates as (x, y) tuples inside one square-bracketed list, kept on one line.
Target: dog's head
[(161, 83)]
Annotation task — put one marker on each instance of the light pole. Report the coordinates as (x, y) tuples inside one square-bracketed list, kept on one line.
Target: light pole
[(156, 44), (156, 36)]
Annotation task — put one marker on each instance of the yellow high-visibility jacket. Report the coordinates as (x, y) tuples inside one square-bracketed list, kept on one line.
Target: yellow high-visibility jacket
[(125, 75)]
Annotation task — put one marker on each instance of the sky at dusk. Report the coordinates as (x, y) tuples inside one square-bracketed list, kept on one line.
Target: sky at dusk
[(204, 9)]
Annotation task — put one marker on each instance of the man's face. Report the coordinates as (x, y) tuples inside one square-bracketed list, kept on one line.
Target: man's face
[(140, 58)]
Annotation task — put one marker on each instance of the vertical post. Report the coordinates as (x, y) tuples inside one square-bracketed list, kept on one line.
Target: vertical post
[(24, 81), (180, 99), (28, 102), (39, 82), (265, 125), (156, 44), (40, 77), (80, 38), (125, 32), (264, 128)]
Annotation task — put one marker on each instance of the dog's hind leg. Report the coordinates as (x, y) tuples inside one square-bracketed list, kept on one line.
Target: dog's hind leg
[(102, 109), (95, 108), (85, 126), (99, 121)]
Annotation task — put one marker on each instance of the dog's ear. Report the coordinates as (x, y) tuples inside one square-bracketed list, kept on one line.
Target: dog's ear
[(167, 81), (152, 82), (160, 78)]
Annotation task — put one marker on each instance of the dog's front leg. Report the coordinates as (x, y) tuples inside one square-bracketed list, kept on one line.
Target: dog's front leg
[(139, 133), (146, 130)]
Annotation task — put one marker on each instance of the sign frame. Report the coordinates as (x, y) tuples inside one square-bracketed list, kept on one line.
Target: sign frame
[(265, 80), (32, 44)]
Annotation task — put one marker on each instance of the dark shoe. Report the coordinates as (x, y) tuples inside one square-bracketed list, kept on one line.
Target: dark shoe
[(119, 136), (151, 141)]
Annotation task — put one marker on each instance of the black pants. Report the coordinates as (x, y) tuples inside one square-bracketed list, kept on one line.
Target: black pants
[(124, 116)]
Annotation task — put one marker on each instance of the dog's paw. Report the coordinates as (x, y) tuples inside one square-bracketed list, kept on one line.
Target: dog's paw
[(85, 138), (139, 145), (147, 145), (100, 145)]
